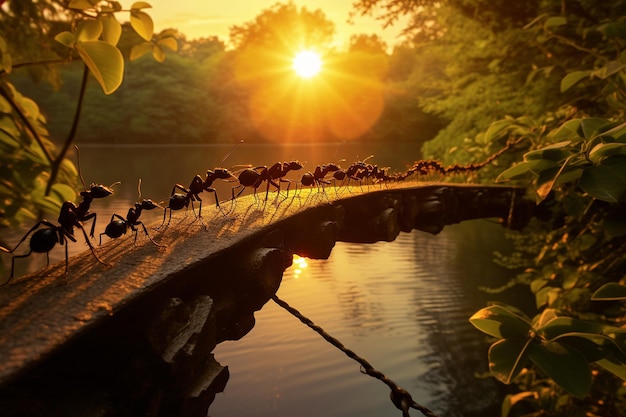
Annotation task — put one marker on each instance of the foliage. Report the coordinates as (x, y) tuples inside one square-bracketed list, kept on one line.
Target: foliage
[(37, 178), (554, 78)]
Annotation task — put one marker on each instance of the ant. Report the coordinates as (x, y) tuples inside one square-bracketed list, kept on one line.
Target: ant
[(317, 178), (278, 171), (358, 171), (179, 200), (253, 178), (119, 225), (95, 191), (44, 240)]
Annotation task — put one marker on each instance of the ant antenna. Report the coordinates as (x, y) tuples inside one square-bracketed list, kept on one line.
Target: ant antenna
[(337, 150), (231, 151), (371, 156), (139, 188), (80, 172)]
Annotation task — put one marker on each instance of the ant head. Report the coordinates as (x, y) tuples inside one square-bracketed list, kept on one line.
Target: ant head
[(221, 173), (332, 167), (294, 165), (148, 204), (101, 191)]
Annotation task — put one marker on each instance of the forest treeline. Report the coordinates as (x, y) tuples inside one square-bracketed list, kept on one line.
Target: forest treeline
[(195, 97)]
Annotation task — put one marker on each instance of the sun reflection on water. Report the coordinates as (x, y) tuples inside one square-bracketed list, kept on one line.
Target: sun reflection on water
[(300, 264)]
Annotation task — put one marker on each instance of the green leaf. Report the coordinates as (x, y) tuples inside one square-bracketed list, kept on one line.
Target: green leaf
[(140, 5), (497, 321), (89, 30), (592, 126), (568, 131), (572, 79), (142, 23), (522, 169), (507, 358), (169, 43), (555, 21), (158, 53), (63, 192), (547, 296), (512, 399), (556, 152), (615, 365), (617, 132), (495, 129), (611, 68), (105, 62), (66, 38), (606, 181), (112, 30), (604, 150), (610, 291), (140, 49), (562, 325), (551, 177), (564, 364)]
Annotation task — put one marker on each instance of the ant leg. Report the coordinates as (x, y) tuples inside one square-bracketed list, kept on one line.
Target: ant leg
[(67, 258), (93, 250), (93, 225), (164, 214), (145, 229), (13, 267)]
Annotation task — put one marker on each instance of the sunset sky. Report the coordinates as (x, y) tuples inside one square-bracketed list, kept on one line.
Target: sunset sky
[(202, 18)]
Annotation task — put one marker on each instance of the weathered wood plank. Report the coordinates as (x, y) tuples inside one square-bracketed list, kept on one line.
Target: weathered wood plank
[(41, 312)]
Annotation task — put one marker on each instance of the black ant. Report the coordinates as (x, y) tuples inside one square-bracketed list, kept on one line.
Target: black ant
[(278, 171), (119, 225), (179, 200), (44, 240), (317, 177), (253, 178), (358, 171), (95, 191)]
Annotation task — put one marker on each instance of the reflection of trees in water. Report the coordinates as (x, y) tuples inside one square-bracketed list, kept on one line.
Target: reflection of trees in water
[(360, 314), (457, 353)]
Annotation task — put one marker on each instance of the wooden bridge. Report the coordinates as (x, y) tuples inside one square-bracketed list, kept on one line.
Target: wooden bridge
[(136, 338)]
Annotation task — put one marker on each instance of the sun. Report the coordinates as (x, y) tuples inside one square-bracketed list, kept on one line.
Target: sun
[(307, 64)]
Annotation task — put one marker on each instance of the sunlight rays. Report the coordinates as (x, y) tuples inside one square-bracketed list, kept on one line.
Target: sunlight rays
[(306, 96), (307, 64)]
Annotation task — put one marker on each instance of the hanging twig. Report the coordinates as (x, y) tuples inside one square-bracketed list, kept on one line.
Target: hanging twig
[(399, 396), (70, 137)]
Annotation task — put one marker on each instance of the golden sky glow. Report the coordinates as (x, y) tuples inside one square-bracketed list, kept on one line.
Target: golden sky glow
[(202, 18)]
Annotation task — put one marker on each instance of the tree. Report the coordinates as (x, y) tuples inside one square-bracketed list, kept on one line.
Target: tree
[(39, 37), (284, 29), (551, 76)]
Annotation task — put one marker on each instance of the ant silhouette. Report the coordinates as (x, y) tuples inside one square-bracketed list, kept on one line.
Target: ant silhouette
[(119, 225), (317, 178), (88, 195), (278, 171), (179, 200), (44, 240), (254, 177), (356, 172)]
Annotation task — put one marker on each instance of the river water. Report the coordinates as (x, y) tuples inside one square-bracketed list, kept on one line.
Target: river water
[(403, 305)]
